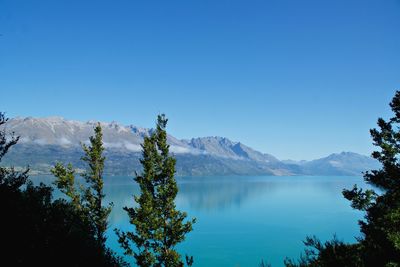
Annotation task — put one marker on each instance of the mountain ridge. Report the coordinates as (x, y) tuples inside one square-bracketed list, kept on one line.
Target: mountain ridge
[(54, 139)]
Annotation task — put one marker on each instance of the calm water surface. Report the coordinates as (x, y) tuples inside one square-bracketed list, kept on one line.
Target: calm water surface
[(242, 220)]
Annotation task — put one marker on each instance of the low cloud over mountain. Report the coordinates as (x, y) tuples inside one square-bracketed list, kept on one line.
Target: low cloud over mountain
[(44, 141)]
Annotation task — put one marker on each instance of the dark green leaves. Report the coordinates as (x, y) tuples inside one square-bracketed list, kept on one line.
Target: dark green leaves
[(360, 199), (158, 225), (88, 199), (379, 244)]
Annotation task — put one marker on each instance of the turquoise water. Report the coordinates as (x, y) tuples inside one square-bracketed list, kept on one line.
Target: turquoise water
[(243, 220)]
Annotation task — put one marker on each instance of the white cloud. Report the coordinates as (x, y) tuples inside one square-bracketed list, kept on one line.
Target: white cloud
[(40, 141), (179, 149), (133, 147), (64, 141), (127, 145), (185, 150), (112, 145), (335, 163)]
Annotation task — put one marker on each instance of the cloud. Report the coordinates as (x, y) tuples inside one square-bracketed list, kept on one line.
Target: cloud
[(64, 141), (335, 163), (179, 149), (40, 141), (112, 145), (133, 147), (126, 145), (185, 150)]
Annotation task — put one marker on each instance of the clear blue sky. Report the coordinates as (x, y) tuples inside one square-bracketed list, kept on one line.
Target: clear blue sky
[(297, 79)]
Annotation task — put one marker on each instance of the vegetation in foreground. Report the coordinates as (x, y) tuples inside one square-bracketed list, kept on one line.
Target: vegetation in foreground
[(87, 202), (37, 230), (380, 241), (159, 226)]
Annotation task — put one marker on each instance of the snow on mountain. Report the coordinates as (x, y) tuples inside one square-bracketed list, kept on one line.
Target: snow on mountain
[(45, 141), (71, 133), (223, 147)]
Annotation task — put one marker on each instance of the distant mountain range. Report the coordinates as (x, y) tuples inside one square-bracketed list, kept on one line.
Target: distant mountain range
[(45, 141)]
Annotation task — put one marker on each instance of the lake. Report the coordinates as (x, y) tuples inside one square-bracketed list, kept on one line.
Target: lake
[(243, 220)]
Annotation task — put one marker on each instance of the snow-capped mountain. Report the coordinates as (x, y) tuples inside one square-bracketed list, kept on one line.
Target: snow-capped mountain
[(69, 133), (44, 141)]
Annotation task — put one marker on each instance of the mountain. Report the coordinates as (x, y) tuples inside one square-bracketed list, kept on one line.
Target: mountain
[(345, 163), (45, 141)]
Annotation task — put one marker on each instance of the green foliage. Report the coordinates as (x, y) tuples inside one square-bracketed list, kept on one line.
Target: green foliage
[(37, 231), (360, 200), (189, 260), (332, 253), (159, 226), (93, 195), (381, 227), (10, 180), (380, 241), (88, 200), (65, 182)]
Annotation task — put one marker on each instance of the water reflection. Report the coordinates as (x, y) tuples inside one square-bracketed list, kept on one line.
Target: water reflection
[(220, 193), (244, 219), (208, 194)]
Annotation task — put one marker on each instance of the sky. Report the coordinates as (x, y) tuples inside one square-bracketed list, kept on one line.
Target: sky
[(296, 79)]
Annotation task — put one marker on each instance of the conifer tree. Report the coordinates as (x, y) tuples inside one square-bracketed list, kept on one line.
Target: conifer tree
[(10, 179), (381, 227), (37, 230), (379, 244), (159, 226), (94, 177), (88, 201)]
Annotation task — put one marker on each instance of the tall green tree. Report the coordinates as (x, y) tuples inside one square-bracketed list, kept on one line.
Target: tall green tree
[(94, 193), (88, 200), (36, 230), (158, 225), (10, 180), (379, 244), (381, 227)]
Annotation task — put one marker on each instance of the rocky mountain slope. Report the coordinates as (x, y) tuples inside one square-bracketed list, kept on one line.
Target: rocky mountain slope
[(44, 141)]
